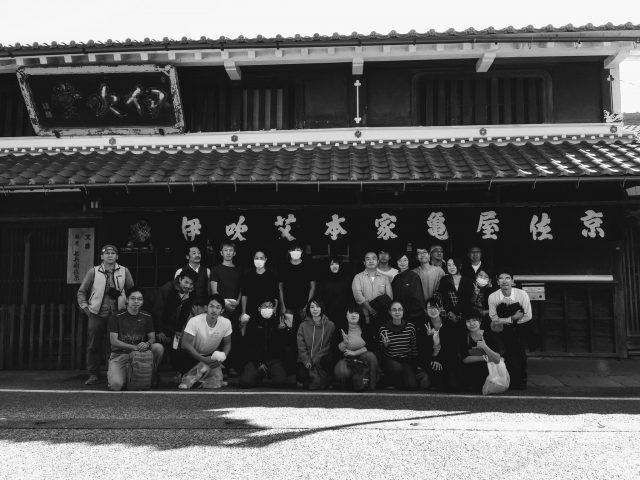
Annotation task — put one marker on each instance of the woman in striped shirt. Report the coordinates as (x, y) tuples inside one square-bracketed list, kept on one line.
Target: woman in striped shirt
[(397, 339)]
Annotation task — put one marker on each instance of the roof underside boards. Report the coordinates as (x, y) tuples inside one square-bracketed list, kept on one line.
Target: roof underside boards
[(384, 163), (609, 32)]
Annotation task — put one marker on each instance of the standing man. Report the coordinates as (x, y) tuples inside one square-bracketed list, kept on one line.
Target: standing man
[(430, 275), (225, 280), (383, 265), (510, 310), (101, 294), (171, 311), (202, 278), (296, 283), (131, 330), (471, 267), (371, 289), (436, 253)]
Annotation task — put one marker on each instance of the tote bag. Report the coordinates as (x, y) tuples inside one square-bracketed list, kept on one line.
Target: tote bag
[(498, 379)]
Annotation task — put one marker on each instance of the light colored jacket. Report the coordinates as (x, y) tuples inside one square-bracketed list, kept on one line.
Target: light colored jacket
[(95, 282)]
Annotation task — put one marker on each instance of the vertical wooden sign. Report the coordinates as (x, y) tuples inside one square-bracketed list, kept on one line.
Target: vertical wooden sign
[(80, 249)]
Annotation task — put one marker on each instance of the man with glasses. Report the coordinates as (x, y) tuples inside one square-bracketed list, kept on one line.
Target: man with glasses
[(133, 346), (101, 294)]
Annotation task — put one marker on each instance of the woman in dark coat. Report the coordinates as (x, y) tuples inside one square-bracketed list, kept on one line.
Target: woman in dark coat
[(407, 289), (334, 289), (455, 291)]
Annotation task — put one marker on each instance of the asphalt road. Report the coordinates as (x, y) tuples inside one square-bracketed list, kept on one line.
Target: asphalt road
[(267, 435)]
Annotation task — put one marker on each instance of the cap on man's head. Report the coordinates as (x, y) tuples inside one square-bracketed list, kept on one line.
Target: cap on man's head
[(436, 247), (109, 247)]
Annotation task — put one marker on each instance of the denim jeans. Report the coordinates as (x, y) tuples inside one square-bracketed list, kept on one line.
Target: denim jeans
[(120, 367)]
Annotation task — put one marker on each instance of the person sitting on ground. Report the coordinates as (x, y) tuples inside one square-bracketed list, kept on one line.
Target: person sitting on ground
[(437, 350), (171, 310), (315, 362), (202, 336), (358, 369), (398, 347), (133, 344), (476, 349), (264, 352)]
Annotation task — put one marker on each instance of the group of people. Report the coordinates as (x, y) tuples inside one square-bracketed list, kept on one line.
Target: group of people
[(435, 326)]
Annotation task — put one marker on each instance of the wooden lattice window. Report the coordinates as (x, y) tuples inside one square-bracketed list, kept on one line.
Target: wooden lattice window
[(265, 108), (483, 99)]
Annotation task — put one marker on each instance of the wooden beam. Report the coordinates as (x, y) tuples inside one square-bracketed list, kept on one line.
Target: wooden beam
[(485, 61), (232, 70), (613, 61), (357, 66)]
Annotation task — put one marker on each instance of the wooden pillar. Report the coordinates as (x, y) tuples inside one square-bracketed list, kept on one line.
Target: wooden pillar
[(27, 269), (619, 311)]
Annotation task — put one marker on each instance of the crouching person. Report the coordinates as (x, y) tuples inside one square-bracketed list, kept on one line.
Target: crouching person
[(135, 355), (202, 336)]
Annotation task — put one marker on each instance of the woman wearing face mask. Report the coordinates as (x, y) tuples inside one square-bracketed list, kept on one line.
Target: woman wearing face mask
[(477, 347), (437, 350), (334, 289), (407, 289), (397, 340), (257, 284), (264, 352), (454, 291), (479, 300), (358, 367), (315, 334)]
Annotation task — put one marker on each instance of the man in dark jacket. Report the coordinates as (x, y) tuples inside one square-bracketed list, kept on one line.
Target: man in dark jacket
[(201, 275), (171, 311)]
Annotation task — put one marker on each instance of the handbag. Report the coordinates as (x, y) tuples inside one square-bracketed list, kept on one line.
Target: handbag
[(498, 379), (141, 371), (360, 374)]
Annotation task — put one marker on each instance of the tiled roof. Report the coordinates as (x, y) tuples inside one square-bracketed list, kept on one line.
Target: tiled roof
[(608, 32), (340, 163)]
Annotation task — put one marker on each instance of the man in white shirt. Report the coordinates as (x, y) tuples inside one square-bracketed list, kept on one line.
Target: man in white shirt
[(518, 305), (383, 265)]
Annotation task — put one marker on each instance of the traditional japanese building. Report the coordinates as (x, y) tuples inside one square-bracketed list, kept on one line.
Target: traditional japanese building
[(509, 139)]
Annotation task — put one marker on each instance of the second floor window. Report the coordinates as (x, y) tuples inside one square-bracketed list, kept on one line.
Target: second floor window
[(482, 99), (265, 108)]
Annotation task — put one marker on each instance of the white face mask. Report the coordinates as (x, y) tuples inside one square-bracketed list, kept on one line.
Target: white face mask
[(295, 254), (258, 263), (482, 282), (266, 312)]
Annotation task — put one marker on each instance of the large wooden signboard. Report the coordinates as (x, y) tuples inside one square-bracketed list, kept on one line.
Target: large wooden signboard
[(102, 100)]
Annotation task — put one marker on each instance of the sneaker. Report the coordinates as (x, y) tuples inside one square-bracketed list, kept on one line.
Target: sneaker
[(92, 380), (183, 386)]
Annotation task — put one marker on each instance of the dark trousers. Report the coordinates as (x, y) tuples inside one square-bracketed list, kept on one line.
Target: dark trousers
[(252, 376), (96, 331), (515, 355), (346, 377), (319, 376), (399, 373)]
